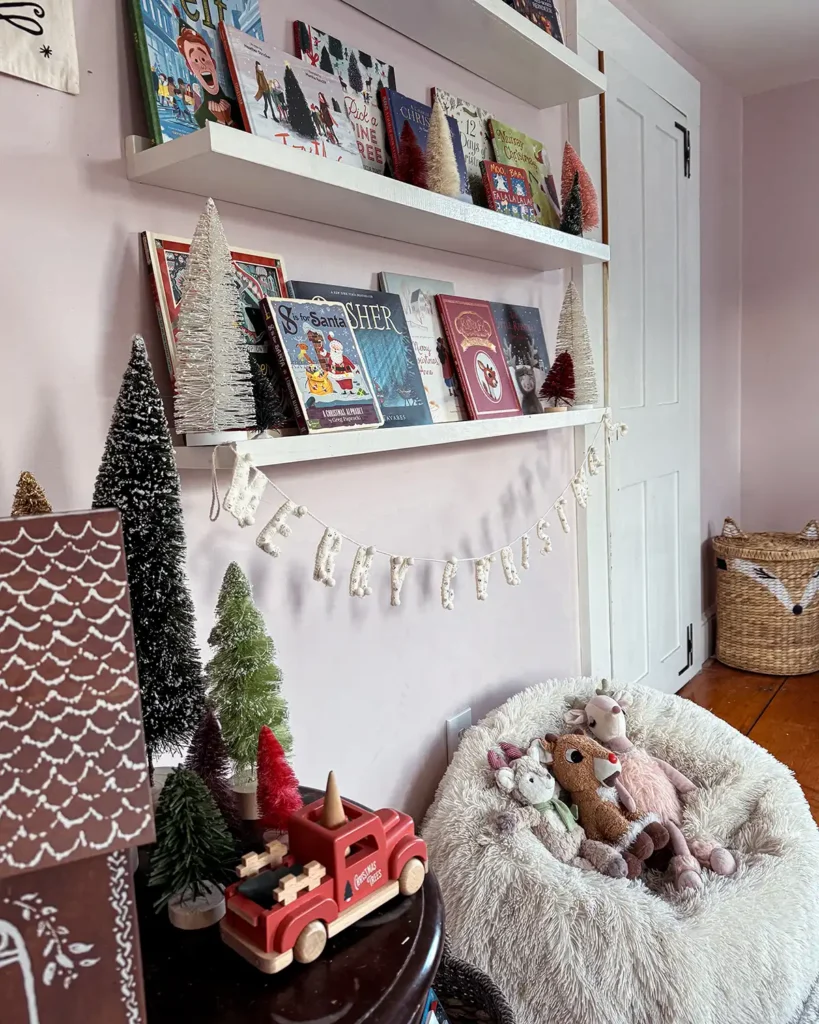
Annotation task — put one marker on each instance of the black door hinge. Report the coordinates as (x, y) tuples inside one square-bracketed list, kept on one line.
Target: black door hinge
[(686, 148), (689, 647)]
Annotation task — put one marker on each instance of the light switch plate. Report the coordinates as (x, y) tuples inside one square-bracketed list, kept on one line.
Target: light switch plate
[(455, 728)]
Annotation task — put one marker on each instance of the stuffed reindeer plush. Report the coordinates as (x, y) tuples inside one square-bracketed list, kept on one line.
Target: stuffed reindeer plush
[(589, 772), (650, 783), (529, 782)]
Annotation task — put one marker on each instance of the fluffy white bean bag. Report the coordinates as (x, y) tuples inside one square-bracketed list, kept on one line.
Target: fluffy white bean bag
[(574, 947)]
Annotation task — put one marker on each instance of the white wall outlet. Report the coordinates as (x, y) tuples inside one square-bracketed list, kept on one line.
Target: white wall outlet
[(455, 728)]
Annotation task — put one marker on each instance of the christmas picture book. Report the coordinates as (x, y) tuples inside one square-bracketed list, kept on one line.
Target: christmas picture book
[(288, 101), (326, 376), (508, 190), (521, 150), (184, 74), (438, 373), (543, 13), (407, 123), (476, 347), (384, 339), (473, 125), (360, 76), (524, 347)]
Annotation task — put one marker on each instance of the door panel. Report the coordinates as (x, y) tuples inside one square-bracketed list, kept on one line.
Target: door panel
[(653, 387)]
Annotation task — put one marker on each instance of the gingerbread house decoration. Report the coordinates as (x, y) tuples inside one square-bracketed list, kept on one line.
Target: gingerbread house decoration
[(74, 793)]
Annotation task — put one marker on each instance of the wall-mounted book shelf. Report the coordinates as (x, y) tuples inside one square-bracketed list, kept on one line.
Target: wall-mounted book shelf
[(493, 41), (281, 451), (238, 167)]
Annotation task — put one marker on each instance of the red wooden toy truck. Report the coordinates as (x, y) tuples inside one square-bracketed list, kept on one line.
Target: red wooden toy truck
[(342, 864)]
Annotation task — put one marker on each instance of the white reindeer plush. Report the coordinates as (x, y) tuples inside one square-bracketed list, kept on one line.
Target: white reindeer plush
[(529, 782)]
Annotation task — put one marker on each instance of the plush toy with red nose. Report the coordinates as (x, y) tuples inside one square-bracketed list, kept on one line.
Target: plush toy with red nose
[(652, 784), (589, 772)]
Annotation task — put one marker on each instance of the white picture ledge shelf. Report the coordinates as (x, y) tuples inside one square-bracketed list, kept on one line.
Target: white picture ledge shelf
[(280, 451), (492, 40), (238, 167)]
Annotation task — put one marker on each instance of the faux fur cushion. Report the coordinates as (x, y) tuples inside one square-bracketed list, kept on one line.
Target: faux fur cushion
[(571, 947)]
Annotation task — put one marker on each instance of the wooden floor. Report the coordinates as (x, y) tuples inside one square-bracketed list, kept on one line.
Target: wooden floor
[(780, 713)]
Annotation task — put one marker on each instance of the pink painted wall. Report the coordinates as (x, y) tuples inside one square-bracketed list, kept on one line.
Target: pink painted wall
[(780, 354), (721, 114), (369, 686)]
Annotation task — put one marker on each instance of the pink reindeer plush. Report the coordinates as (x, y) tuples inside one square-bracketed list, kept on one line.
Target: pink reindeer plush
[(652, 784)]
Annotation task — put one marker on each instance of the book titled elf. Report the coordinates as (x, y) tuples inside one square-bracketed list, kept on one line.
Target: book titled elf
[(384, 339), (508, 190), (288, 101), (182, 67), (360, 76), (317, 350), (407, 123), (482, 368)]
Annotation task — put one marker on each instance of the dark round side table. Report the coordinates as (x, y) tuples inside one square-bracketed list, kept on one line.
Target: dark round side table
[(379, 970)]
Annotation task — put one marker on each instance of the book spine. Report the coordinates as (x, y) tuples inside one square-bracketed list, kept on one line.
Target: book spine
[(168, 343), (451, 339), (237, 85), (389, 126), (276, 349), (486, 178), (145, 77), (297, 39)]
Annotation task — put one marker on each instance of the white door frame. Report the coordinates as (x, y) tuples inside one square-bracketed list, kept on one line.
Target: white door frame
[(595, 26)]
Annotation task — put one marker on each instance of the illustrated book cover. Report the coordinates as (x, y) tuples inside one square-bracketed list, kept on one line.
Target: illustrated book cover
[(476, 142), (185, 77), (401, 111), (326, 375), (438, 373), (521, 150), (543, 13), (508, 190), (473, 338), (360, 76), (384, 339), (288, 101), (524, 346), (257, 274)]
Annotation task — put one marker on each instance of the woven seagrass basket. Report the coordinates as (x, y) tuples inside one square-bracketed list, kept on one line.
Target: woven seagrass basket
[(768, 600)]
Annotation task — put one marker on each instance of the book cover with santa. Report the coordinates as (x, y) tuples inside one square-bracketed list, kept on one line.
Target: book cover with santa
[(316, 346), (473, 338)]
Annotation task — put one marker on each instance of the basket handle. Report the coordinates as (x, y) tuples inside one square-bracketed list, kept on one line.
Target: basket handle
[(730, 529), (810, 531)]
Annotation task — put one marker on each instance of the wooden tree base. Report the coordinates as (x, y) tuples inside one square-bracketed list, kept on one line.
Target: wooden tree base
[(193, 914), (246, 798), (556, 408)]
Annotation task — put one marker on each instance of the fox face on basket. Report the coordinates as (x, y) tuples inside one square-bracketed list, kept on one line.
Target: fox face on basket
[(794, 586)]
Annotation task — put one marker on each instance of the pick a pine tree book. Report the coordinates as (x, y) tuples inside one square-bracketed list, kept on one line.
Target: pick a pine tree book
[(384, 339), (288, 101)]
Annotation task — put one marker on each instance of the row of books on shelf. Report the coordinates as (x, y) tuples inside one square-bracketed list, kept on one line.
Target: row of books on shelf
[(340, 358), (334, 101)]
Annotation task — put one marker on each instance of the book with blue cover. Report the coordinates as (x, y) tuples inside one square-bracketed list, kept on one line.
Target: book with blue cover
[(520, 330), (182, 66), (385, 342), (407, 123)]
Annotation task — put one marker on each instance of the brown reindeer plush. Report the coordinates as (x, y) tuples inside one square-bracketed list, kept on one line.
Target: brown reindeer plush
[(588, 772)]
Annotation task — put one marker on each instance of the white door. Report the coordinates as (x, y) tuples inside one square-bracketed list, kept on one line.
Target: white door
[(653, 387)]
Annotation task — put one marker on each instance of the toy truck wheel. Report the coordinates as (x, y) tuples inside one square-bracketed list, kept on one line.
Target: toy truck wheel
[(310, 944), (412, 877)]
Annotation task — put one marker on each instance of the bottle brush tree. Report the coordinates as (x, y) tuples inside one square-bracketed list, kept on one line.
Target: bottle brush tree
[(572, 222), (193, 845), (273, 409), (443, 175), (209, 758), (277, 788), (138, 476), (412, 164), (573, 337), (298, 112), (29, 498), (558, 388), (572, 164), (244, 678)]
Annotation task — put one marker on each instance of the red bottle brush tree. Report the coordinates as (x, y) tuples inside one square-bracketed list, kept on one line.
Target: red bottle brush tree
[(277, 788), (208, 757), (558, 388), (572, 164), (412, 162)]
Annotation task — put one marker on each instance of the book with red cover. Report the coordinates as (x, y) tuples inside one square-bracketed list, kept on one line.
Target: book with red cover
[(508, 190), (476, 348)]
